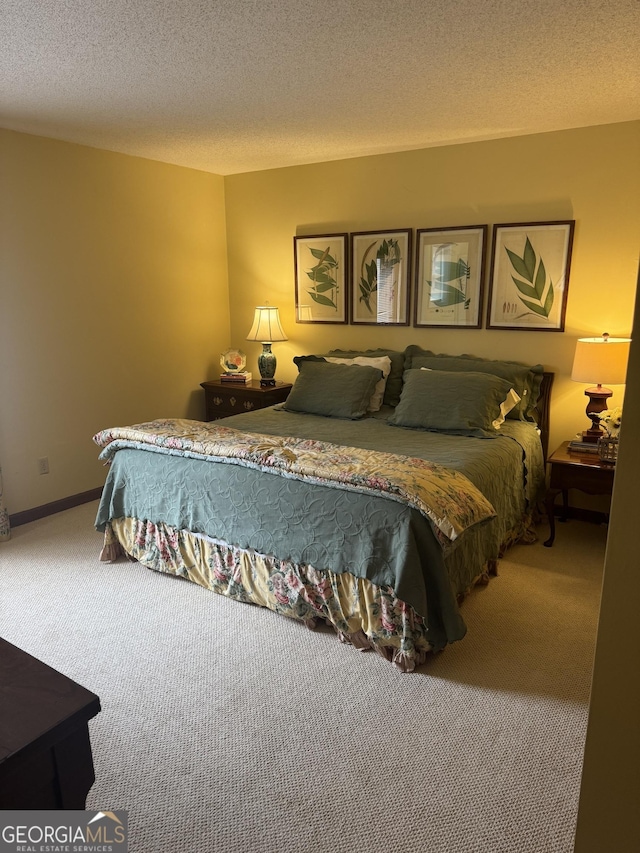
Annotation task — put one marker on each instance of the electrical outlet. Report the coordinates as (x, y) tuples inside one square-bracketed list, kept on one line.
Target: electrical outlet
[(43, 465)]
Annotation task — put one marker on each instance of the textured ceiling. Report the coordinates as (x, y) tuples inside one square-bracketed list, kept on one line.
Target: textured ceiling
[(238, 85)]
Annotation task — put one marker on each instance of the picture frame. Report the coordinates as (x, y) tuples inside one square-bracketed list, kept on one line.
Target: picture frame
[(450, 276), (380, 277), (321, 263), (530, 276)]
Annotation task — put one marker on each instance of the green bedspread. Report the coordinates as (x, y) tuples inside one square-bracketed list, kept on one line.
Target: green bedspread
[(389, 543), (509, 470)]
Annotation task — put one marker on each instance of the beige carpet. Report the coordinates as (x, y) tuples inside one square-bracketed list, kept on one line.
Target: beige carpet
[(228, 728)]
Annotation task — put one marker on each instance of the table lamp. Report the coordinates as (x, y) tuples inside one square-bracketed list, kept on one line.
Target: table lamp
[(599, 360), (266, 329)]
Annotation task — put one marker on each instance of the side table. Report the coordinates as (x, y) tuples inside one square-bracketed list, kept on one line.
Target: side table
[(229, 398), (582, 471)]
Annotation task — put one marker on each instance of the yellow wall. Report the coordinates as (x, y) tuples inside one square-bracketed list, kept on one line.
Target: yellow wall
[(591, 175), (113, 304), (114, 297)]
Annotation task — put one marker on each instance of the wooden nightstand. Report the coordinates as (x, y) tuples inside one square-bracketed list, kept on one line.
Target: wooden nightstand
[(582, 471), (225, 398)]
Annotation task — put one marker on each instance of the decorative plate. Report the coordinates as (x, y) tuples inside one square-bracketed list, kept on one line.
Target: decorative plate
[(233, 361)]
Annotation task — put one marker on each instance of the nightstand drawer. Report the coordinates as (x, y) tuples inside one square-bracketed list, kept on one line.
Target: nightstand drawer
[(222, 402), (223, 399), (594, 480)]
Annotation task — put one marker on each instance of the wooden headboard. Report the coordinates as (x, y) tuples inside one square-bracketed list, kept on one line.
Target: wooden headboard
[(542, 410)]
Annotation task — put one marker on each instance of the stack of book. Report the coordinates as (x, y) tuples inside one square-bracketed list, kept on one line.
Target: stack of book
[(240, 377), (580, 446)]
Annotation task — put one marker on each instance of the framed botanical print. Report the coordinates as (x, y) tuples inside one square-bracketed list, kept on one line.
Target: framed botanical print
[(530, 276), (321, 270), (450, 264), (380, 270)]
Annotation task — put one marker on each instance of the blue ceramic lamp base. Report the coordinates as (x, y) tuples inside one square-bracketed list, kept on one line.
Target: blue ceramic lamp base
[(267, 366)]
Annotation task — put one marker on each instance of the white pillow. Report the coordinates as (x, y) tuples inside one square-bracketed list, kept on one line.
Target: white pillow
[(383, 364)]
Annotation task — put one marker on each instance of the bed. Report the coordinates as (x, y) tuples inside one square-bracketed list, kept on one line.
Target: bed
[(372, 500)]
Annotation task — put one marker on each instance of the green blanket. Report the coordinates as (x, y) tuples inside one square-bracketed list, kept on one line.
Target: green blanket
[(390, 543)]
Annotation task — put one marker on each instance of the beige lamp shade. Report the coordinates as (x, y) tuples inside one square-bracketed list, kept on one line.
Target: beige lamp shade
[(266, 326), (601, 361)]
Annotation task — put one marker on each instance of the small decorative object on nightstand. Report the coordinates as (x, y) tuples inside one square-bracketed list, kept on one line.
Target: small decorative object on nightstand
[(233, 361), (611, 421), (608, 450), (224, 398), (266, 329), (572, 470)]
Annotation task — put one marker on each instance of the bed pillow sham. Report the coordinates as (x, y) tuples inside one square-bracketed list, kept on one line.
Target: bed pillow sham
[(472, 404), (525, 380), (332, 390), (383, 364), (393, 385)]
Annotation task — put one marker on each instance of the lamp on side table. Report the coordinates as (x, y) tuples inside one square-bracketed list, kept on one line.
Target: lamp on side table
[(266, 329), (601, 360)]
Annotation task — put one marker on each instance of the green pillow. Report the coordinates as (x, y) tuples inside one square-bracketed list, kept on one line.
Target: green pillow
[(300, 359), (393, 388), (332, 390), (524, 380), (456, 403)]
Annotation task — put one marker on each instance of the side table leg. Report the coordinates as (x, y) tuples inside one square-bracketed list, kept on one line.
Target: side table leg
[(552, 494)]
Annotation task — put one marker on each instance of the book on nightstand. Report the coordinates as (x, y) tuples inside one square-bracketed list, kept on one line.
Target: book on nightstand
[(237, 377), (580, 446)]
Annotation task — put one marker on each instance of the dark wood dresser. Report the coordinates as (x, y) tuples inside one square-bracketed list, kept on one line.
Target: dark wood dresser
[(45, 753)]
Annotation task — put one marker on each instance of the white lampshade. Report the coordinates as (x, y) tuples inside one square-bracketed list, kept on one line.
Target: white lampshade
[(601, 361), (266, 326)]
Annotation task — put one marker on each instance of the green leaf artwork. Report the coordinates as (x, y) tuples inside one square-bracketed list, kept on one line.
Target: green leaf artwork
[(324, 290), (533, 292), (443, 292), (379, 273)]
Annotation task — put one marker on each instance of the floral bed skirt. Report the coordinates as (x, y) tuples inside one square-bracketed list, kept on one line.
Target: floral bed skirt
[(362, 614)]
